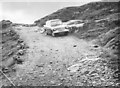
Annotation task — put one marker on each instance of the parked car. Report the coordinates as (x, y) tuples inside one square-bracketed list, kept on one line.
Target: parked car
[(55, 27)]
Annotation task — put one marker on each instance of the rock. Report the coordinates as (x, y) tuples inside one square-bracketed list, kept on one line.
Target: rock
[(92, 72), (53, 82), (94, 75), (5, 69), (18, 46), (74, 45), (20, 61), (84, 70), (96, 46), (10, 53), (56, 50), (17, 59), (22, 45), (21, 52), (51, 62), (20, 41), (61, 79), (73, 68), (40, 65), (6, 66)]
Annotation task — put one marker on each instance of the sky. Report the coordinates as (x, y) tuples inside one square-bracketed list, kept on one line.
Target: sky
[(27, 11)]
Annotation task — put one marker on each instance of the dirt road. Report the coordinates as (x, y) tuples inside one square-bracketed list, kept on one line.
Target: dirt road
[(44, 49), (48, 57)]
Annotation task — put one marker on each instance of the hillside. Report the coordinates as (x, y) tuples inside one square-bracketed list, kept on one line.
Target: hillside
[(12, 48), (91, 11)]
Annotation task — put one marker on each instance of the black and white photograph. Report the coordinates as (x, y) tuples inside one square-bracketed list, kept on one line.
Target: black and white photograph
[(59, 43)]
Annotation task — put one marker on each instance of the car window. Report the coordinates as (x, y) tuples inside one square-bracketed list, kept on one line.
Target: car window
[(76, 22)]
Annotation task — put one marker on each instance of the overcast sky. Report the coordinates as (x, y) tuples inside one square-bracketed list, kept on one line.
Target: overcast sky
[(27, 11)]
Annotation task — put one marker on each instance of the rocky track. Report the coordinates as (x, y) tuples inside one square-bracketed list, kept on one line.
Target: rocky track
[(64, 60)]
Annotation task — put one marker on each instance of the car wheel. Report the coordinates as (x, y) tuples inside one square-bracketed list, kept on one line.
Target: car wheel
[(66, 33)]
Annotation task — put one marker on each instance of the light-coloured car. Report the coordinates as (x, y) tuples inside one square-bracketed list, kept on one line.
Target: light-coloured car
[(55, 27)]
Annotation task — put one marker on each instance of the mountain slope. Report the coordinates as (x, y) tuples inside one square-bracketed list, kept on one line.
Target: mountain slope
[(96, 10), (12, 47)]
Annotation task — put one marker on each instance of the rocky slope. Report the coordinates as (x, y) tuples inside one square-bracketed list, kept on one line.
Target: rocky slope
[(12, 49)]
